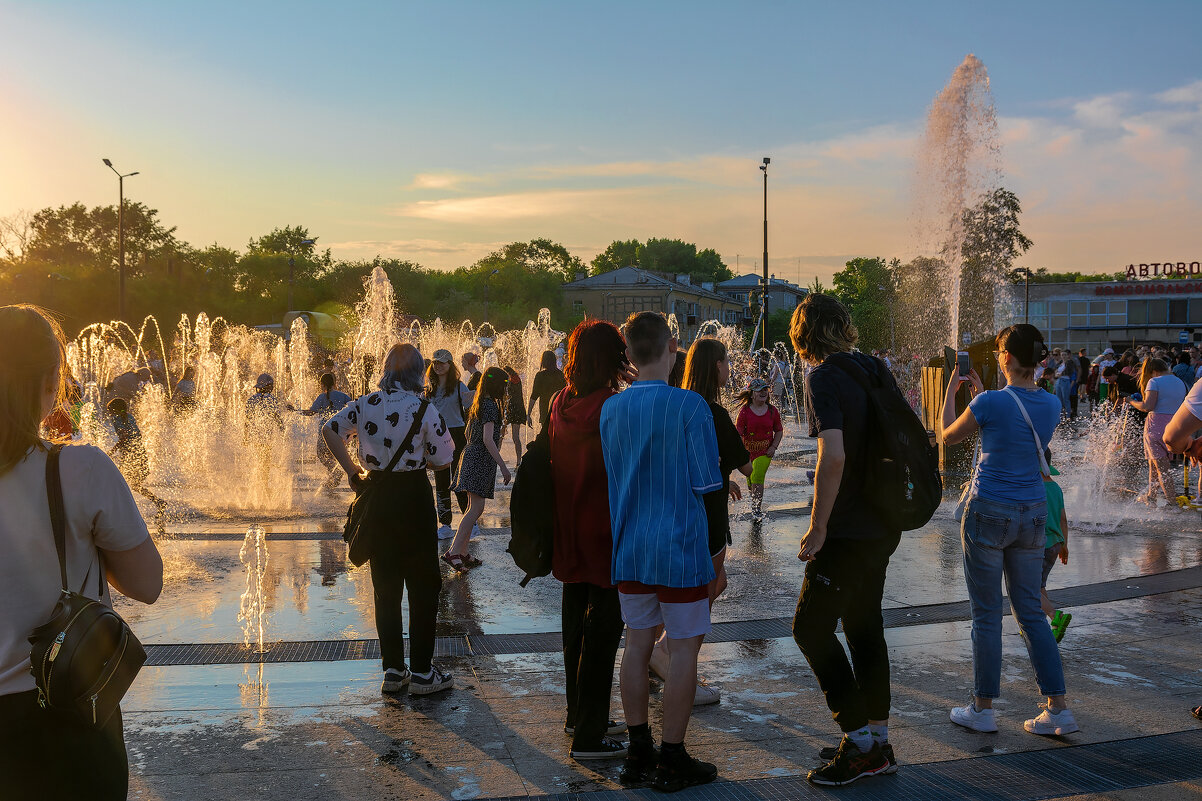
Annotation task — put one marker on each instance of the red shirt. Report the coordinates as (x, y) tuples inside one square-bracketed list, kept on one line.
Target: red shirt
[(583, 538), (758, 430)]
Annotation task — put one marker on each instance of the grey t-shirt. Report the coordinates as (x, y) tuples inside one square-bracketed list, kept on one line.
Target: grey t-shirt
[(452, 407), (100, 513)]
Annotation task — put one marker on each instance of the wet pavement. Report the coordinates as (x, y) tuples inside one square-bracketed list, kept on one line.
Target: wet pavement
[(321, 729)]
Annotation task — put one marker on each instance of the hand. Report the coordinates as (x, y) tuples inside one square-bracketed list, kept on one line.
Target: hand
[(356, 479), (975, 384), (811, 543), (1194, 450), (1064, 552), (629, 373), (770, 453), (736, 494), (505, 474), (718, 585)]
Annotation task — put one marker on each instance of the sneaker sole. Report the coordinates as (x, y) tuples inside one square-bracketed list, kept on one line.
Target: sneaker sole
[(828, 783), (1055, 731), (971, 727), (429, 689), (589, 755), (613, 731), (827, 754)]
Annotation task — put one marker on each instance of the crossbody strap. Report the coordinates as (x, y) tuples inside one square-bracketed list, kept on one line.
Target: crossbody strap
[(1043, 464), (417, 424), (58, 521)]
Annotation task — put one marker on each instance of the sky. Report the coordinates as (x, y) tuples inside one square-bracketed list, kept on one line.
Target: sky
[(437, 132)]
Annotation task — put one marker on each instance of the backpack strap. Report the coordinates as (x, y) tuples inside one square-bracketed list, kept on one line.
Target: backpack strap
[(413, 429), (58, 521), (849, 365)]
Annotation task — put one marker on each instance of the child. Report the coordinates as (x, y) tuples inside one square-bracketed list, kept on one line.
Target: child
[(131, 453), (1056, 547), (759, 425), (661, 457), (477, 471)]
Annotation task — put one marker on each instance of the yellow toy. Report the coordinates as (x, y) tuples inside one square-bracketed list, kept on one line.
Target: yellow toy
[(1185, 501)]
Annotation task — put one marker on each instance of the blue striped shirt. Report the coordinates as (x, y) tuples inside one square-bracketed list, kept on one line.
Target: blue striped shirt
[(661, 456)]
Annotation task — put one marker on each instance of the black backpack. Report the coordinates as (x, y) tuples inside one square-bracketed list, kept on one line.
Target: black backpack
[(902, 468), (532, 509)]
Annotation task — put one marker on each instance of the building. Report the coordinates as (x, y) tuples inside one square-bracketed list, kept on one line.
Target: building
[(746, 288), (617, 294), (1117, 314)]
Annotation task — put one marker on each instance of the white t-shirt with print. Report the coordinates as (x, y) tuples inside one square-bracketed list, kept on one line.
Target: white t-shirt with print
[(380, 420), (100, 513)]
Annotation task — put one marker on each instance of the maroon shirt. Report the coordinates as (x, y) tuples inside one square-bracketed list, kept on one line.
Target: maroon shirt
[(583, 539)]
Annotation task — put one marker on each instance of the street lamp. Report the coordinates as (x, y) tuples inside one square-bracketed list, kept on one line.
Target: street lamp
[(764, 308), (1026, 294), (292, 270), (120, 235)]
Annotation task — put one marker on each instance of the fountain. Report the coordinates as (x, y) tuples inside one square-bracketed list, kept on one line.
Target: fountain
[(252, 613)]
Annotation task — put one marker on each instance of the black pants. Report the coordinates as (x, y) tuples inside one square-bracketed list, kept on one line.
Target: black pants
[(846, 581), (442, 480), (592, 627), (47, 755), (404, 558)]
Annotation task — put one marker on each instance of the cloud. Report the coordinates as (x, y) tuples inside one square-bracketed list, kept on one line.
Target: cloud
[(429, 180), (1190, 93), (507, 207)]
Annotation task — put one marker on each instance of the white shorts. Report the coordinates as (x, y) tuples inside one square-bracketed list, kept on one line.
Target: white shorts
[(679, 611)]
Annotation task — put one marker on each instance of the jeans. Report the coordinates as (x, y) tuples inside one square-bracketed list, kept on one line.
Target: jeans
[(1007, 539), (846, 581), (45, 754), (404, 557), (442, 479), (1064, 387), (592, 628)]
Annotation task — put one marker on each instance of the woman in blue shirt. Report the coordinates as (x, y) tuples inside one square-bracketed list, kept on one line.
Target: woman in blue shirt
[(1163, 393), (1002, 529)]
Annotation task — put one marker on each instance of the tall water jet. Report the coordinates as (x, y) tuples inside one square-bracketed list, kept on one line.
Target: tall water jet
[(958, 165), (252, 613)]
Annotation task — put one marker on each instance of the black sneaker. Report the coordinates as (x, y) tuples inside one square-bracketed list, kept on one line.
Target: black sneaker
[(639, 767), (831, 751), (678, 771), (608, 748), (849, 764), (612, 728), (437, 682)]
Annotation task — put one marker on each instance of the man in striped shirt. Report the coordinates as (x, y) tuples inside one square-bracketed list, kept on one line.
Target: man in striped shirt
[(661, 456)]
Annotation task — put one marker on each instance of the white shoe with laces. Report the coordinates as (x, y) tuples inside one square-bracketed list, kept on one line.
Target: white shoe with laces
[(976, 719), (1051, 723)]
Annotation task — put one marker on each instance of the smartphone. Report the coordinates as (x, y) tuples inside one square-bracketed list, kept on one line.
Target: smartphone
[(963, 365)]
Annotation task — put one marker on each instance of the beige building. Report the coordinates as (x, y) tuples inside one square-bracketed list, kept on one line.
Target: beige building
[(617, 294)]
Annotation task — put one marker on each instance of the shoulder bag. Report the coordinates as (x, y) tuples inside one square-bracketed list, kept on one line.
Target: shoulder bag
[(355, 533), (85, 658)]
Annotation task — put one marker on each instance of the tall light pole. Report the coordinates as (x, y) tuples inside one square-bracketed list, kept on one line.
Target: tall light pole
[(120, 235), (764, 311)]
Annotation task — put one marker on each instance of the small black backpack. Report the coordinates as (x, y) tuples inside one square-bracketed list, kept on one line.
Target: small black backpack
[(902, 469), (532, 510)]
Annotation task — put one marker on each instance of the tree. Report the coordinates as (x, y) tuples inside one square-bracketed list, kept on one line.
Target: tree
[(86, 239), (816, 287), (620, 253), (921, 309), (296, 242), (866, 288), (992, 241), (537, 255)]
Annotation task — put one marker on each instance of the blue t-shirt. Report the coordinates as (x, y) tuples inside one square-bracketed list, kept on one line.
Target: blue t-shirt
[(1185, 373), (326, 405), (1009, 466), (661, 456), (1170, 393)]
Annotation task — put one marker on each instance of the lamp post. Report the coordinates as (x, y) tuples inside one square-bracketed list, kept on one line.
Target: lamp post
[(120, 235), (764, 308)]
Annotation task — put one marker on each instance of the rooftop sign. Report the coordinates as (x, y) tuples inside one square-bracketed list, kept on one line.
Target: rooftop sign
[(1157, 268)]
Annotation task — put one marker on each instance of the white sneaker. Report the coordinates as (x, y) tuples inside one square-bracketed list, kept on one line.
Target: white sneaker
[(1052, 723), (706, 695), (971, 718), (394, 680), (445, 532)]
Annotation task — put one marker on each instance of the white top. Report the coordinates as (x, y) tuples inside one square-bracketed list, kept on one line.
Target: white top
[(380, 422), (1193, 400), (100, 513)]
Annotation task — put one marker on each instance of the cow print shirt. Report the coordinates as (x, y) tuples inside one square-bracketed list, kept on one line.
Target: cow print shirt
[(381, 420)]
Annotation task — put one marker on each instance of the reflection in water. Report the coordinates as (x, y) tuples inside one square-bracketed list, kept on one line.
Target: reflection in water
[(253, 692), (252, 611), (331, 561)]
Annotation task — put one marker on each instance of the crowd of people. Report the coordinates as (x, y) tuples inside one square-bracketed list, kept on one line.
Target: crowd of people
[(642, 451)]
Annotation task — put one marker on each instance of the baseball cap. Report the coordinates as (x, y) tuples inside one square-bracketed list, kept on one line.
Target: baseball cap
[(757, 384), (264, 380), (1109, 351), (443, 355)]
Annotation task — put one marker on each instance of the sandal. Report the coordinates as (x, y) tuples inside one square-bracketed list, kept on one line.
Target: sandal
[(1196, 712), (455, 560), (470, 561)]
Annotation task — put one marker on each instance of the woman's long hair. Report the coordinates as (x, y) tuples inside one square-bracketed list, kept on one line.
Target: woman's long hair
[(32, 353), (402, 369), (548, 361), (493, 382), (1150, 368), (701, 368), (450, 383), (596, 356)]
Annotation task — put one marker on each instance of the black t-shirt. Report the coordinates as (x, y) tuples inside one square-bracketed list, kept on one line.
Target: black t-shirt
[(546, 384), (836, 401), (731, 455), (1127, 384), (473, 382)]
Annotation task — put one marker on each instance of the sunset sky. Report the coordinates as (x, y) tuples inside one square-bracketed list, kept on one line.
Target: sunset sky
[(437, 131)]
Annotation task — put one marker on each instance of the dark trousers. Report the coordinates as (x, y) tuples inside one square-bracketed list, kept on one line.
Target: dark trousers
[(404, 558), (48, 755), (442, 480), (846, 581), (592, 627)]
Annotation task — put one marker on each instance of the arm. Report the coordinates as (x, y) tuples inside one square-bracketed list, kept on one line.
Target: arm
[(338, 447), (1064, 545), (136, 573), (1147, 404), (958, 430), (493, 451), (1178, 434), (828, 475)]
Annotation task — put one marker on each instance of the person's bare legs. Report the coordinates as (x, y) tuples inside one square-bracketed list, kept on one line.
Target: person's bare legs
[(517, 441), (1161, 468), (680, 687), (1046, 604), (463, 534), (634, 683)]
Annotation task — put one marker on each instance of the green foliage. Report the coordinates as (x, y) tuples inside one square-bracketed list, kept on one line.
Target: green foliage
[(992, 241), (1042, 276), (672, 256), (816, 287), (778, 328), (620, 253), (866, 287), (537, 255)]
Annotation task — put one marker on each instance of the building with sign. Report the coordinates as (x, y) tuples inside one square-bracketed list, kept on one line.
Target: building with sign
[(1116, 314)]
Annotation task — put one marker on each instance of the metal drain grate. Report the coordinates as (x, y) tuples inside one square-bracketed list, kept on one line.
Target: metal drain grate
[(735, 631), (1029, 776)]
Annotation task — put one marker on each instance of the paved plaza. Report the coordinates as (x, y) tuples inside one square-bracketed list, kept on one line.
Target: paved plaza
[(210, 719)]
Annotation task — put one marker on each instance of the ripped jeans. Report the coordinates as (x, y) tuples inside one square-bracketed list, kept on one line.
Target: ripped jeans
[(1007, 539)]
